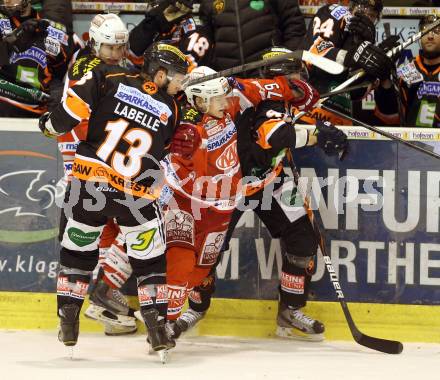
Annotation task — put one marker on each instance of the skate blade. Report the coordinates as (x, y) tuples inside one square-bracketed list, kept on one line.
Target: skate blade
[(292, 333), (163, 356), (69, 350)]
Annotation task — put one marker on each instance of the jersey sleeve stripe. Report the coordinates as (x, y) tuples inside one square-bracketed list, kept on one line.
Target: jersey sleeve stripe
[(76, 107), (266, 130)]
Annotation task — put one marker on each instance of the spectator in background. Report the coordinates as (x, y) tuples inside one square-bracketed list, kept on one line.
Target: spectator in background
[(419, 86), (244, 29)]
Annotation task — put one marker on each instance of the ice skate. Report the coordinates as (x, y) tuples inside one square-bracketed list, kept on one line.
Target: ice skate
[(69, 324), (294, 324), (158, 338), (186, 322)]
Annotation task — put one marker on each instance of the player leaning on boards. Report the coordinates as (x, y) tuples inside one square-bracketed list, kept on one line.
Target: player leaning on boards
[(107, 46), (419, 86), (134, 118), (345, 34), (264, 135)]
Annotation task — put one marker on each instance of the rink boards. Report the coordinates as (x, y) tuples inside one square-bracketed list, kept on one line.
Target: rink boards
[(384, 240)]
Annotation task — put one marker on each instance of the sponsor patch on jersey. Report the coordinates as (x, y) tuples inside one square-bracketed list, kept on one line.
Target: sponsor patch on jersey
[(220, 139), (211, 248), (409, 73), (34, 54), (229, 158), (339, 12), (188, 25), (135, 97), (57, 35), (428, 89), (5, 26), (52, 46)]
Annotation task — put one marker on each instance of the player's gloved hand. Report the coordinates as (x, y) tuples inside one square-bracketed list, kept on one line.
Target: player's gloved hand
[(186, 140), (362, 27), (371, 58), (166, 13), (331, 139), (390, 43), (309, 97), (46, 126), (26, 34)]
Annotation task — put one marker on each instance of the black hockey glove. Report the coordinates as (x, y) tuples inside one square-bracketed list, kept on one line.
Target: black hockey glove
[(46, 126), (370, 58), (331, 139), (27, 34), (390, 43), (362, 28)]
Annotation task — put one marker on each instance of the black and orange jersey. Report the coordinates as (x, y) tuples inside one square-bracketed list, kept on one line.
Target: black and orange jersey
[(419, 87), (327, 36), (191, 37), (36, 67), (131, 123), (264, 135)]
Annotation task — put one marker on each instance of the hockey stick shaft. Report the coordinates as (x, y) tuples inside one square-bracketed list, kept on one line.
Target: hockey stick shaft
[(20, 93), (378, 344), (383, 133), (322, 62)]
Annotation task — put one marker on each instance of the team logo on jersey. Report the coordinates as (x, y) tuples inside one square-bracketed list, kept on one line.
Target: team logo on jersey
[(428, 89), (150, 88), (211, 248), (34, 54), (229, 158), (409, 73), (188, 25), (219, 6), (179, 227)]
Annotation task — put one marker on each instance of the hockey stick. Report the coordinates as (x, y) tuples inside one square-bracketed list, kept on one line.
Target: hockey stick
[(380, 132), (378, 344), (323, 63), (344, 90), (22, 94)]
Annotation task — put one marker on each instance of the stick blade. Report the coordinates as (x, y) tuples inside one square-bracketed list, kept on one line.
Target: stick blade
[(323, 63), (383, 345)]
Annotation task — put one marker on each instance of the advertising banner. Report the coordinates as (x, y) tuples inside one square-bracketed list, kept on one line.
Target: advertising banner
[(380, 207)]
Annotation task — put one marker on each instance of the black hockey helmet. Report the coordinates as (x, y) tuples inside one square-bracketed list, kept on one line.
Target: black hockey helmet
[(164, 56), (368, 7), (13, 7), (289, 66), (427, 20)]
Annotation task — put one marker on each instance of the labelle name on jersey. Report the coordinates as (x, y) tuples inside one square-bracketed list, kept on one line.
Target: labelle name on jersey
[(139, 117)]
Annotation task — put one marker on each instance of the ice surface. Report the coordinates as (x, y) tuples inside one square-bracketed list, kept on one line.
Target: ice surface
[(38, 355)]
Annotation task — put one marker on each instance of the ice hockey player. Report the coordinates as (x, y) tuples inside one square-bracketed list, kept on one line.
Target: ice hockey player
[(34, 54), (264, 136), (346, 35), (133, 122), (419, 86), (108, 45), (207, 182), (172, 22)]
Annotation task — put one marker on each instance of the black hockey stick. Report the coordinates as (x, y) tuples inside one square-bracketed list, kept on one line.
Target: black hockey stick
[(380, 132), (378, 344), (20, 93)]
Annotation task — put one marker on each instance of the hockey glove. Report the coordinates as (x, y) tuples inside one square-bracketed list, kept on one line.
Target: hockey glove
[(363, 28), (46, 126), (370, 58), (330, 139), (26, 35), (309, 97), (234, 83), (186, 140)]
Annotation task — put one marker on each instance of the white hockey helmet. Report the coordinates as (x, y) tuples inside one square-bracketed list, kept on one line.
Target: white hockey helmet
[(107, 29), (206, 90)]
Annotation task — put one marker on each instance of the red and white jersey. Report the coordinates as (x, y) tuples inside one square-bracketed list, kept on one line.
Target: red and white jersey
[(213, 175)]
